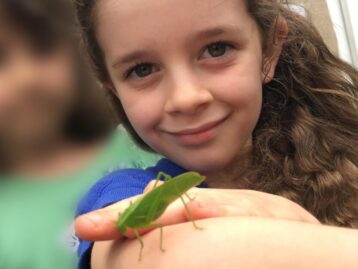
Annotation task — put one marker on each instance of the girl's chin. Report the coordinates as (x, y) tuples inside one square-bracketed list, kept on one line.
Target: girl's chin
[(204, 165)]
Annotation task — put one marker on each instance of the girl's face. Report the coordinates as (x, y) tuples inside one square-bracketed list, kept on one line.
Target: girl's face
[(36, 88), (189, 75)]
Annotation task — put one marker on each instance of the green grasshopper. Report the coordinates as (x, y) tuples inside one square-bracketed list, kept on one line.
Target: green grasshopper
[(148, 208)]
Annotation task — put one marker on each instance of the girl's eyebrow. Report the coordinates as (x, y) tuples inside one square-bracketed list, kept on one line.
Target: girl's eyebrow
[(131, 57), (216, 31), (202, 34)]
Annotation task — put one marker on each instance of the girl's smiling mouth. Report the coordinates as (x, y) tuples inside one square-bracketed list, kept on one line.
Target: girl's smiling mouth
[(198, 135)]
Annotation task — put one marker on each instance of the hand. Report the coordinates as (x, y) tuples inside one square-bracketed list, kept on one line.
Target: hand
[(208, 203), (235, 242)]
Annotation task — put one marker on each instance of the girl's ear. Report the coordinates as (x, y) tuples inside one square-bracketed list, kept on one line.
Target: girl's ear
[(273, 53)]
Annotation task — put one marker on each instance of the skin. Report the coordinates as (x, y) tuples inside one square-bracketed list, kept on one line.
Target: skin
[(184, 87), (187, 87), (266, 233), (251, 243), (37, 93), (207, 203)]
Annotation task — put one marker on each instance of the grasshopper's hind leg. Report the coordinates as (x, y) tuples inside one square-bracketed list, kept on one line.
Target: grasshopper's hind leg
[(190, 215), (141, 244), (160, 226), (161, 239)]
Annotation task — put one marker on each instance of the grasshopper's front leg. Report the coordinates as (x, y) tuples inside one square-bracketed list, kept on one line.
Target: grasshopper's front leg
[(190, 215), (190, 198), (161, 175)]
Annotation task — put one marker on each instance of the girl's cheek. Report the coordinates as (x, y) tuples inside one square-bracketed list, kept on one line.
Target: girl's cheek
[(238, 84), (237, 90), (144, 109)]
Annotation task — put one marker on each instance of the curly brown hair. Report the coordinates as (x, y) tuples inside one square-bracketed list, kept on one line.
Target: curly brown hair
[(306, 141)]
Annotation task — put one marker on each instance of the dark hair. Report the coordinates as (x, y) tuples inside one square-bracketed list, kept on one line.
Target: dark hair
[(306, 141), (46, 24)]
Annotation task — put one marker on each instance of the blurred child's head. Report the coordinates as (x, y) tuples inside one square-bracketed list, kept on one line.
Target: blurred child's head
[(44, 88), (205, 82)]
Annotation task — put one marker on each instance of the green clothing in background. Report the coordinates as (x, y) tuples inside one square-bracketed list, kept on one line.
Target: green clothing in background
[(36, 216)]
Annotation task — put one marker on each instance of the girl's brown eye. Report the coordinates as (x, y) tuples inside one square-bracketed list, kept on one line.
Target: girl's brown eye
[(142, 70), (216, 50)]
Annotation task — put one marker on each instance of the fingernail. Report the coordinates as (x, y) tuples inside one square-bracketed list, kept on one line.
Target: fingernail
[(95, 219)]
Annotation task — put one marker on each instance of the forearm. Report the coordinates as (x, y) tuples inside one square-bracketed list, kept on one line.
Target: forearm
[(236, 243)]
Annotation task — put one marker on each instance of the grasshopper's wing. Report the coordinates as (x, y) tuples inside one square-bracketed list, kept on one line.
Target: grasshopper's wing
[(126, 217), (132, 216), (140, 213), (154, 203)]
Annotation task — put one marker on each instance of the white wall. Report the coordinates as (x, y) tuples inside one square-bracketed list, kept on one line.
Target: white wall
[(353, 10), (346, 27)]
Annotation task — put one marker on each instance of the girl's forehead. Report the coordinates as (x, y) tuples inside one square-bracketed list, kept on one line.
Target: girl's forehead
[(161, 9), (145, 20)]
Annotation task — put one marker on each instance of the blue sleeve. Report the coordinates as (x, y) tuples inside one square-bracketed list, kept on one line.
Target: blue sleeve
[(114, 187)]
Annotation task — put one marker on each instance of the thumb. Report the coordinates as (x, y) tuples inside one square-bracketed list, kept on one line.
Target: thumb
[(152, 185), (99, 225)]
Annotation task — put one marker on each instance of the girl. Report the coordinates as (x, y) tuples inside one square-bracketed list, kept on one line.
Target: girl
[(246, 93), (55, 134)]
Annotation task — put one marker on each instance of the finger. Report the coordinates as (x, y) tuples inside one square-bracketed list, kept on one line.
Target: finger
[(151, 185), (122, 205), (99, 225), (203, 206), (176, 213)]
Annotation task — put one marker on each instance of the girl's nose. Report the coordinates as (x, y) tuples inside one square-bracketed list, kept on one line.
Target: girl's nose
[(187, 96)]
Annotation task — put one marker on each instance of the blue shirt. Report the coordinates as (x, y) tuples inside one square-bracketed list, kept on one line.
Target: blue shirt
[(117, 186)]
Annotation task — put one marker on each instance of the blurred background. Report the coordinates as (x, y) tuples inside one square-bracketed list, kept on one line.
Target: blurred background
[(338, 23)]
